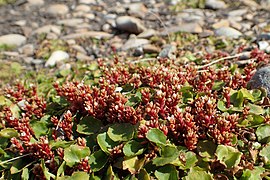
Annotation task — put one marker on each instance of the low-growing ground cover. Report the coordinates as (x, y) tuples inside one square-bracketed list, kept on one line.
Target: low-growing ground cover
[(156, 119)]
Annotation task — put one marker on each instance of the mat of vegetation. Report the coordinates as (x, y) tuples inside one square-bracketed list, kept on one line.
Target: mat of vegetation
[(156, 119)]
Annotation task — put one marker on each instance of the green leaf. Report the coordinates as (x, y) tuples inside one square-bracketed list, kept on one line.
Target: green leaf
[(265, 154), (75, 153), (255, 119), (167, 172), (89, 125), (196, 174), (134, 100), (8, 133), (132, 148), (191, 159), (61, 169), (144, 175), (263, 133), (247, 94), (228, 155), (105, 142), (110, 174), (156, 136), (252, 174), (18, 165), (97, 160), (133, 164), (79, 176), (168, 155), (206, 149), (16, 67), (121, 131), (25, 174), (40, 128), (15, 110), (255, 109), (237, 99), (62, 144), (218, 85), (221, 106), (46, 172), (257, 94)]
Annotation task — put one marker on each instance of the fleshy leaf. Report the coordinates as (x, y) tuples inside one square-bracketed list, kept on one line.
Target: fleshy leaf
[(197, 174), (8, 133), (133, 164), (156, 136), (255, 109), (105, 142), (221, 106), (97, 160), (143, 175), (89, 125), (75, 153), (61, 169), (132, 148), (252, 174), (247, 94), (265, 154), (206, 149), (46, 172), (79, 176), (25, 174), (121, 131), (191, 159), (168, 155), (228, 155), (40, 128), (167, 172), (263, 133)]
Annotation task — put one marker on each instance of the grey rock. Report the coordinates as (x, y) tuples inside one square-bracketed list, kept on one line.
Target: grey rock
[(215, 4), (35, 2), (228, 32), (13, 40), (238, 12), (27, 49), (185, 27), (56, 56), (87, 1), (265, 36), (47, 29), (129, 24), (263, 45), (149, 48), (134, 42), (261, 79), (147, 34), (137, 10), (57, 9), (94, 34), (168, 52), (71, 22)]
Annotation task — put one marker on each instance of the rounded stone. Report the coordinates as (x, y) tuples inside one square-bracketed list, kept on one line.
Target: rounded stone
[(228, 32), (261, 79), (58, 9), (129, 24), (56, 56), (13, 39)]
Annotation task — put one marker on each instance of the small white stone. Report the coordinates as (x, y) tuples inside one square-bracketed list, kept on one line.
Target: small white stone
[(13, 39), (56, 57)]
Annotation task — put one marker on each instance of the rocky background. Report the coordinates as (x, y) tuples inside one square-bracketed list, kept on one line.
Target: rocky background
[(56, 35)]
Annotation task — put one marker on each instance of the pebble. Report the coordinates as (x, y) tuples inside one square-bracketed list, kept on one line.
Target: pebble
[(221, 23), (93, 34), (58, 9), (137, 10), (149, 48), (129, 24), (147, 34), (134, 42), (263, 45), (168, 52), (56, 56), (83, 8), (215, 4), (35, 2), (261, 79), (71, 22), (228, 32), (47, 29), (87, 1), (27, 49), (185, 27), (13, 40)]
